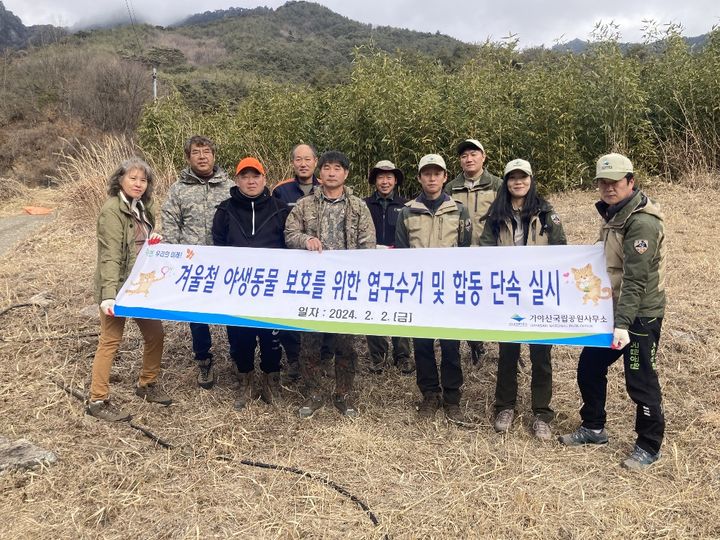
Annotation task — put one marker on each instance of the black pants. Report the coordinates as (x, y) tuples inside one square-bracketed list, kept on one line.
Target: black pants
[(292, 342), (641, 381), (345, 362), (378, 348), (243, 342), (540, 386), (451, 376), (201, 340)]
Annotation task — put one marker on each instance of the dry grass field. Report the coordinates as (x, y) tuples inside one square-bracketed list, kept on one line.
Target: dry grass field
[(421, 480)]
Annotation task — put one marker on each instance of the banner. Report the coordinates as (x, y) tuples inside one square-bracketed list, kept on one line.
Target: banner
[(550, 294)]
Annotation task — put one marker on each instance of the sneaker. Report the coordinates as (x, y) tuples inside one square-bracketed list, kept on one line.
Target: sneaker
[(104, 409), (454, 415), (429, 406), (541, 429), (152, 393), (640, 459), (582, 436), (504, 420), (206, 375), (345, 406), (293, 370), (477, 352), (312, 404), (405, 365)]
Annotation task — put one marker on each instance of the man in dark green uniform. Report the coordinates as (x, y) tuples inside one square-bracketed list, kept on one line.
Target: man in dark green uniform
[(633, 236)]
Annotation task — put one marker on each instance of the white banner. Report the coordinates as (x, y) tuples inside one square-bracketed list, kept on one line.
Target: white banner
[(549, 294)]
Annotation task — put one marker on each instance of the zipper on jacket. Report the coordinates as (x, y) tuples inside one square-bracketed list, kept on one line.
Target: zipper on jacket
[(252, 204)]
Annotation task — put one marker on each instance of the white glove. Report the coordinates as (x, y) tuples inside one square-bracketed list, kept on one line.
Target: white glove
[(108, 307), (621, 338)]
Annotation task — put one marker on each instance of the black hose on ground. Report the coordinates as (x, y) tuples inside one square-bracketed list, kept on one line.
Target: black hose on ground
[(250, 463)]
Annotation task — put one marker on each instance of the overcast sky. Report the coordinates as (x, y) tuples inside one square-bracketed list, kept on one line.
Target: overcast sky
[(533, 21)]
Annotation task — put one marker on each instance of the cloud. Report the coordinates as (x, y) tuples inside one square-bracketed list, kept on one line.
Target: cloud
[(533, 21)]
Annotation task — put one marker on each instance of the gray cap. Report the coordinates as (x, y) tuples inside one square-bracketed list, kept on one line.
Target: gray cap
[(385, 165), (468, 144), (432, 159), (517, 165)]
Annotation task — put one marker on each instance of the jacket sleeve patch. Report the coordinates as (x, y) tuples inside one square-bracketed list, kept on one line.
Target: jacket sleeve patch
[(555, 219), (640, 246)]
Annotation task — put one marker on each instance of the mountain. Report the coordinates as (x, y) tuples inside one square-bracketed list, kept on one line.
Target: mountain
[(15, 35), (578, 46)]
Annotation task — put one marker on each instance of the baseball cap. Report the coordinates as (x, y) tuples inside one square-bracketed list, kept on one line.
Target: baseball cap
[(613, 167), (385, 165), (518, 165), (249, 162), (432, 159), (468, 144)]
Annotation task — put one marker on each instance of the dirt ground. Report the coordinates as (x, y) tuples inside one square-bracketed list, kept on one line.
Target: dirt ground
[(421, 480)]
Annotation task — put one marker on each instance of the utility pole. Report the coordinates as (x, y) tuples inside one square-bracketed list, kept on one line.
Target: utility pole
[(154, 77)]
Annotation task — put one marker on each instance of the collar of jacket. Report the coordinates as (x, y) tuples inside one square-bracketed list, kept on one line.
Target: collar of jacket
[(378, 199), (417, 206), (246, 202), (482, 182), (320, 195), (617, 214), (188, 176), (126, 205), (315, 181)]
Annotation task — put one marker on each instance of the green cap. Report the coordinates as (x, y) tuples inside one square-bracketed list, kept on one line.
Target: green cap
[(613, 167)]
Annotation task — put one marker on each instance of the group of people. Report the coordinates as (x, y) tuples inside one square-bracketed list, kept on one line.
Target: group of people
[(206, 207)]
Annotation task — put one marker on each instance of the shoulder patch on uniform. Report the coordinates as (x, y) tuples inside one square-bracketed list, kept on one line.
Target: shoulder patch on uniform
[(555, 218), (640, 246)]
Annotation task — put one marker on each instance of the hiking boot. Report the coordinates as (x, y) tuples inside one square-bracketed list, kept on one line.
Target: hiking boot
[(377, 366), (405, 365), (582, 436), (640, 459), (345, 406), (293, 370), (541, 429), (312, 404), (104, 409), (270, 389), (454, 415), (327, 366), (206, 375), (152, 393), (477, 352), (504, 420), (245, 394), (429, 405)]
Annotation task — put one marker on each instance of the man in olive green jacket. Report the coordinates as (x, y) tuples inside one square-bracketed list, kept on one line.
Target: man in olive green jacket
[(476, 188), (633, 237), (430, 221)]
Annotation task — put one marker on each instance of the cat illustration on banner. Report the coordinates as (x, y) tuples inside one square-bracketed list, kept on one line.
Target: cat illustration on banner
[(146, 280), (590, 284)]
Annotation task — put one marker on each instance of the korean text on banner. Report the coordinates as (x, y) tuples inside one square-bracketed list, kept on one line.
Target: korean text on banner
[(548, 294)]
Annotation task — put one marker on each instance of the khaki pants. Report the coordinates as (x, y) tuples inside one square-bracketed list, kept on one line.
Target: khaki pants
[(111, 332)]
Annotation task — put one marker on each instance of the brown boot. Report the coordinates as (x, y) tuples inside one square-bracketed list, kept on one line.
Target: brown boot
[(270, 389), (245, 394)]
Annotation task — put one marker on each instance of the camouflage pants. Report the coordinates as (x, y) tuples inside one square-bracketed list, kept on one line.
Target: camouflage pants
[(345, 363)]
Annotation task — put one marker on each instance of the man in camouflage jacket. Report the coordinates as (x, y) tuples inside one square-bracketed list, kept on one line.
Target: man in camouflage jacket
[(633, 236), (331, 218), (187, 218)]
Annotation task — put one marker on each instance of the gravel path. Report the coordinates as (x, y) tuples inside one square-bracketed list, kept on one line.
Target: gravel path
[(15, 229)]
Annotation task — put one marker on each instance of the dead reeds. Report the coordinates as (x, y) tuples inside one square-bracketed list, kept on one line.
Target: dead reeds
[(429, 480)]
